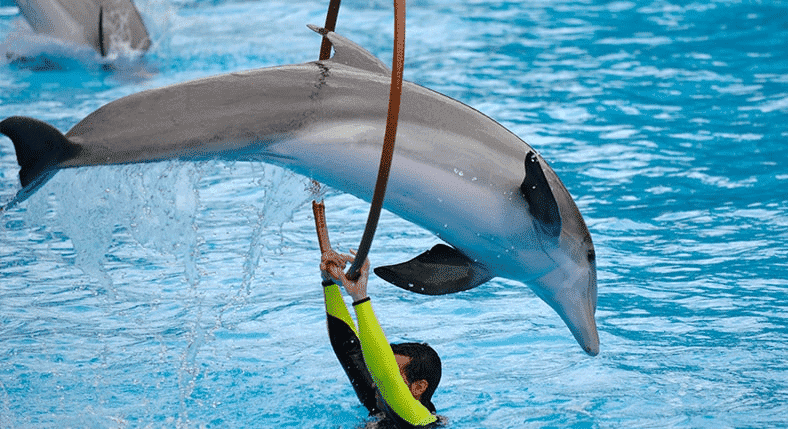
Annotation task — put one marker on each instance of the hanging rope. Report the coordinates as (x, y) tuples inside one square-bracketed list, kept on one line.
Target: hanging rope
[(387, 154)]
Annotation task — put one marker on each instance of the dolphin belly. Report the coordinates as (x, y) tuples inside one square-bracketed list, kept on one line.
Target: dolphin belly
[(463, 200)]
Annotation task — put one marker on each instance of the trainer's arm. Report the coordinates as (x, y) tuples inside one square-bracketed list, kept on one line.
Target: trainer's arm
[(346, 345), (380, 358), (384, 370)]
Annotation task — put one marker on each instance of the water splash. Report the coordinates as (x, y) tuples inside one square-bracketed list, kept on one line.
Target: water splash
[(284, 192), (156, 204), (159, 207), (170, 210)]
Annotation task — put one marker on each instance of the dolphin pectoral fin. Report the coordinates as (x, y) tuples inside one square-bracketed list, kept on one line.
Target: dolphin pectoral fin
[(40, 147), (102, 40), (350, 54), (439, 271), (541, 201)]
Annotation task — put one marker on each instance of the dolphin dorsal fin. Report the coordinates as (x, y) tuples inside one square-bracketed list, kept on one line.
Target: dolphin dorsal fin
[(439, 271), (103, 41), (541, 201), (350, 54)]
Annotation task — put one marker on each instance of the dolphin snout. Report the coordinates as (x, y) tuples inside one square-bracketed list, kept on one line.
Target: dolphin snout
[(584, 330), (591, 340), (590, 335), (575, 301)]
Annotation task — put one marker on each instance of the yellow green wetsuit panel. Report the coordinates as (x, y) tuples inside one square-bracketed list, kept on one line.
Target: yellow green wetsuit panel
[(383, 367)]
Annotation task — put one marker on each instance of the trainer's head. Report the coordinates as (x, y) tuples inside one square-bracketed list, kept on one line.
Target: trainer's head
[(420, 366)]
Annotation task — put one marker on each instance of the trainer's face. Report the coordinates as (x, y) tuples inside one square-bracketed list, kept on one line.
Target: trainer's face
[(402, 362)]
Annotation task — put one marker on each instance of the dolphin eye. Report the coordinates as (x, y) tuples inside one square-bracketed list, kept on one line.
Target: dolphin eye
[(591, 255)]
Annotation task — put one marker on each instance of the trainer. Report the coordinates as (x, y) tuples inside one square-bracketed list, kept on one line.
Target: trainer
[(395, 382)]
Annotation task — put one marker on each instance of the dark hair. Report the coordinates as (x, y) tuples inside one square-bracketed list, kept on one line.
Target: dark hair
[(425, 364)]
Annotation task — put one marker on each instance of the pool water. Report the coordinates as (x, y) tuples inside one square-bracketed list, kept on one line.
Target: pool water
[(187, 295)]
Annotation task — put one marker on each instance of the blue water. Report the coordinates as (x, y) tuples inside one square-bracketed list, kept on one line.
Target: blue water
[(186, 295)]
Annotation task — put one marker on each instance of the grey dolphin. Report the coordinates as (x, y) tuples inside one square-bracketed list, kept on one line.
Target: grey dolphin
[(101, 24), (455, 172)]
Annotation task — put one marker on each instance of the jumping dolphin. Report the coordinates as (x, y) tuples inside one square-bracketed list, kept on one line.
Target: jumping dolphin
[(100, 24), (456, 172)]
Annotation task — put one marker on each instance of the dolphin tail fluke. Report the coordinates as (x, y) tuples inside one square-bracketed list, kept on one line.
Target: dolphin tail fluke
[(40, 147), (439, 271)]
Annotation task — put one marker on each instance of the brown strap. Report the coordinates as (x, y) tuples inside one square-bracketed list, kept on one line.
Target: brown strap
[(325, 50), (395, 94), (325, 53), (319, 211), (331, 24)]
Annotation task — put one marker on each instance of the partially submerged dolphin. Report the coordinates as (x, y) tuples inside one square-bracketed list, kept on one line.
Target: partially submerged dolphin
[(100, 24), (455, 172)]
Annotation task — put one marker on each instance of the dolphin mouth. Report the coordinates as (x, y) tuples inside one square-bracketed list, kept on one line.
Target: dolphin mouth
[(592, 346), (584, 326), (574, 298), (580, 321), (588, 330), (586, 335)]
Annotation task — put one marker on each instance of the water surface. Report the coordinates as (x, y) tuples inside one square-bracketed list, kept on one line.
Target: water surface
[(186, 295)]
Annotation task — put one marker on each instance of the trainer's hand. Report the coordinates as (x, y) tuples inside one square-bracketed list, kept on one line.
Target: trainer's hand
[(357, 289), (334, 263)]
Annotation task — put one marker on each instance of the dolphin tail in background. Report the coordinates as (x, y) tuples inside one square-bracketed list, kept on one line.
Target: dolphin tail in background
[(122, 20), (40, 147)]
